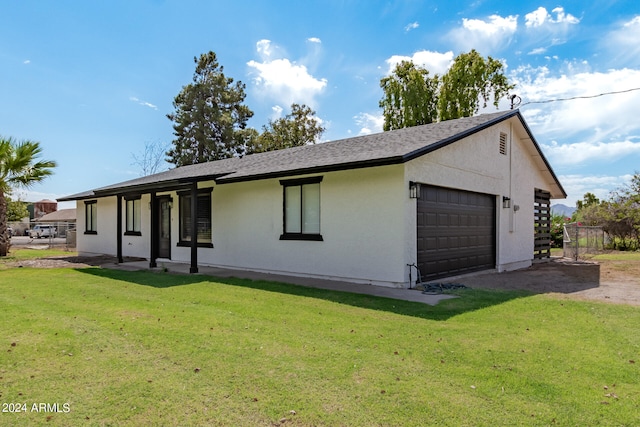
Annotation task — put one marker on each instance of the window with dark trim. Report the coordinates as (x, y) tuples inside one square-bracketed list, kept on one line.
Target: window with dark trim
[(203, 214), (91, 217), (132, 215), (301, 209)]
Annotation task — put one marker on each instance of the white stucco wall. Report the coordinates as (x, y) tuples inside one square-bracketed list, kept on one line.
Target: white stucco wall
[(361, 224), (104, 242)]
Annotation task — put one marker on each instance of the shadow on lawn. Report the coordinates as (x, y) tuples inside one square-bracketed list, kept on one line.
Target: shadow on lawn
[(469, 299)]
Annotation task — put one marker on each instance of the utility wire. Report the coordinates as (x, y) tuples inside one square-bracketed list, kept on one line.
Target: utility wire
[(578, 97)]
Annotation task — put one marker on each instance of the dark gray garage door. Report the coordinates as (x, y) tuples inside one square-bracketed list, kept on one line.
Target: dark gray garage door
[(456, 232)]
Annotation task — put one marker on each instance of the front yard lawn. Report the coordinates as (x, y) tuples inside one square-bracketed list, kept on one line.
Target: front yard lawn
[(107, 347)]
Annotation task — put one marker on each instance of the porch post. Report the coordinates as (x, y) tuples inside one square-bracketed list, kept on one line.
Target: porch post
[(194, 228), (154, 230), (119, 230)]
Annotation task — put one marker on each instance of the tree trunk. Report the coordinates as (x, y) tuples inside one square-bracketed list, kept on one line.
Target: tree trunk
[(4, 237)]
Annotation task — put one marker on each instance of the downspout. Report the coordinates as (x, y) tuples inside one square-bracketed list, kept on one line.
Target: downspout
[(512, 220)]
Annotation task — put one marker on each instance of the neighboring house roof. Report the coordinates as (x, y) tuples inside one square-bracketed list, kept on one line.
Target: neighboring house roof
[(63, 215), (386, 148)]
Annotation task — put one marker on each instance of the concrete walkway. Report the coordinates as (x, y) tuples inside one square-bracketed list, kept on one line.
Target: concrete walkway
[(394, 293)]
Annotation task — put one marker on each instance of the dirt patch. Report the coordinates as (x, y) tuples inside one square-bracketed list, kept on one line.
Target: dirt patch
[(609, 281), (71, 261)]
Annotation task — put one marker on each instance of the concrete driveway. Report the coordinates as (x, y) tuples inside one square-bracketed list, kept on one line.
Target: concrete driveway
[(45, 241)]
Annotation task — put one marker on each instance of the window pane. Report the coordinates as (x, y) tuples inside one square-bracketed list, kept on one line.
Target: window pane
[(185, 218), (129, 215), (311, 208), (292, 211), (137, 203), (204, 218), (91, 216)]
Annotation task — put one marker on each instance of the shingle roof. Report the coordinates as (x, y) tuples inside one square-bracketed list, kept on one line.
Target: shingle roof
[(384, 148), (62, 215)]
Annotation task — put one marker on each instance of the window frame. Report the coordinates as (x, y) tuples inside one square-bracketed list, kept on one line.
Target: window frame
[(91, 217), (130, 229), (302, 235), (185, 197)]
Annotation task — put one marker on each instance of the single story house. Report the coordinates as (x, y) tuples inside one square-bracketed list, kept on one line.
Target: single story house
[(62, 215), (63, 219), (445, 198)]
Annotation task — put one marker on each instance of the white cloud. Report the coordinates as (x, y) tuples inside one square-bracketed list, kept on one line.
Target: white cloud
[(411, 26), (540, 17), (485, 36), (276, 112), (622, 43), (563, 18), (536, 18), (547, 28), (585, 152), (282, 80), (601, 119), (538, 51), (27, 61), (578, 185), (314, 40), (263, 47), (587, 134), (143, 103), (435, 62), (633, 24), (369, 123)]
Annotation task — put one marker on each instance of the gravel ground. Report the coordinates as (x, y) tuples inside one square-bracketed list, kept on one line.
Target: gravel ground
[(609, 281)]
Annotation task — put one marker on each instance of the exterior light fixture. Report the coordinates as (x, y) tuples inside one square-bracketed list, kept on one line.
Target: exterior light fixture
[(414, 190), (506, 202)]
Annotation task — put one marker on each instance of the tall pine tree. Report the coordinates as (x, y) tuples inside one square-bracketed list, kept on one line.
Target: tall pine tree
[(209, 116)]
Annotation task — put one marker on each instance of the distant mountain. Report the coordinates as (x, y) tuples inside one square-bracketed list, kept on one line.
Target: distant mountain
[(563, 210)]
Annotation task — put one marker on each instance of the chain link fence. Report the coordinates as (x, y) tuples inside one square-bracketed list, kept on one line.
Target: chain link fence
[(579, 240), (23, 228)]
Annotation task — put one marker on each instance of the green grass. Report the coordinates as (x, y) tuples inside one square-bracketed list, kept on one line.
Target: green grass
[(142, 348), (618, 256)]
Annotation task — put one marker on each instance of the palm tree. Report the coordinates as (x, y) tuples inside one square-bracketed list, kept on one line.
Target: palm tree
[(18, 168)]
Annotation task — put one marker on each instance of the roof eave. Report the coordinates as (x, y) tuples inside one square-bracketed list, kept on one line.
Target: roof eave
[(167, 185)]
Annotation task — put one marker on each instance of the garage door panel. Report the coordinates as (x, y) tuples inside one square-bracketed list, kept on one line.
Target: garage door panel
[(461, 253), (456, 232)]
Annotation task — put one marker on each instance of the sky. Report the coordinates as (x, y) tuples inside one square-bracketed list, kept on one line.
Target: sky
[(93, 81)]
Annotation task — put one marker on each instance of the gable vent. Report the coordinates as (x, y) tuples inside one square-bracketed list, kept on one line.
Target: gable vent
[(503, 143)]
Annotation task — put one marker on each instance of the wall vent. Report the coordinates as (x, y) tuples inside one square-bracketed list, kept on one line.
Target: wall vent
[(503, 143)]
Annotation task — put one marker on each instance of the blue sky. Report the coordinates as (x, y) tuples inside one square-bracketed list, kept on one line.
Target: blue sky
[(93, 81)]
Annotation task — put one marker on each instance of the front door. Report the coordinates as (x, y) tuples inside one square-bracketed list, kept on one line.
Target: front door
[(164, 228)]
